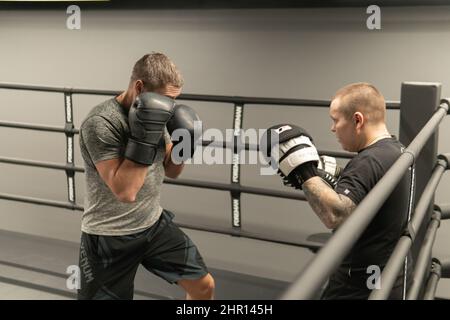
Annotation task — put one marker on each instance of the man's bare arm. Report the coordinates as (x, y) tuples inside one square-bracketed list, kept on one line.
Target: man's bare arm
[(332, 208), (123, 177)]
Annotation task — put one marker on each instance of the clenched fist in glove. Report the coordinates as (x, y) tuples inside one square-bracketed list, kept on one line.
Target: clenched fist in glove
[(186, 139), (147, 119)]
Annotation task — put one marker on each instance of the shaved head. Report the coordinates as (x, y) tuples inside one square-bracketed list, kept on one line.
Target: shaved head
[(361, 97)]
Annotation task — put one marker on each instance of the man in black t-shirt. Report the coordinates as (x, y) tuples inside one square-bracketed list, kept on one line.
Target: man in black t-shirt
[(358, 114)]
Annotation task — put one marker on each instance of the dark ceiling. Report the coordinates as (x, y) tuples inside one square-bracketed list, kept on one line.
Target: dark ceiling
[(217, 4)]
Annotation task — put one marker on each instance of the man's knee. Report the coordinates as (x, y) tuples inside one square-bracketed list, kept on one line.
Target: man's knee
[(205, 286), (202, 288), (208, 286)]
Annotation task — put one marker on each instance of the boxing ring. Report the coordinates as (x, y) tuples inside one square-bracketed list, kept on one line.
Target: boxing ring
[(417, 131)]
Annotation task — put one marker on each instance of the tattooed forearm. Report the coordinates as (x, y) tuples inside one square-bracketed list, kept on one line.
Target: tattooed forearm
[(330, 207), (315, 192), (346, 206)]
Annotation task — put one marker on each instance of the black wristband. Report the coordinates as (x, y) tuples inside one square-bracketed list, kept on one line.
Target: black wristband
[(328, 178), (306, 171), (139, 152)]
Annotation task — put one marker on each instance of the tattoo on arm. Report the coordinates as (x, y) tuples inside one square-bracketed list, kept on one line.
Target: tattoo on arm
[(332, 208), (315, 192), (347, 206)]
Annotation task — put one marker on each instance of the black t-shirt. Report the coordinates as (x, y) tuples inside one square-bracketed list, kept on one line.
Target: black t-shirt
[(376, 244)]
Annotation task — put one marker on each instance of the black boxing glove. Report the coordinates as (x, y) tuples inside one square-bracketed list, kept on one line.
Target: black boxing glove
[(147, 119), (185, 131)]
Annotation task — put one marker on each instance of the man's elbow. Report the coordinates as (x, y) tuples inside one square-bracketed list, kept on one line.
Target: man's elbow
[(332, 222), (126, 196), (173, 174), (329, 225)]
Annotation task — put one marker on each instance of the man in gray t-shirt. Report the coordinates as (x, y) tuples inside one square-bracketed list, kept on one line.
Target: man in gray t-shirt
[(103, 136), (123, 224)]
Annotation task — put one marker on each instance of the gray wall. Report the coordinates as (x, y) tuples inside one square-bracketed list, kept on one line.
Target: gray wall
[(298, 53)]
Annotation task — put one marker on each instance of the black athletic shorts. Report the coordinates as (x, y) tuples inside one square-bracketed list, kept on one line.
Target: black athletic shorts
[(108, 264)]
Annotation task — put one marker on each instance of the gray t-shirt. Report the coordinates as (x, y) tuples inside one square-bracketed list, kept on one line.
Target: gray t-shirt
[(103, 136)]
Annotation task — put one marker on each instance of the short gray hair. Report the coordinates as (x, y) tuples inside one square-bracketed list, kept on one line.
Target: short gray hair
[(156, 71)]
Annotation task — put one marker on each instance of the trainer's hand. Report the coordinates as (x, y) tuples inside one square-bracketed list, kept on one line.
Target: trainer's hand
[(329, 165), (297, 156)]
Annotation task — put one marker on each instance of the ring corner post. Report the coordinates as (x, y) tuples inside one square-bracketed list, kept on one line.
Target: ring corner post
[(419, 101)]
